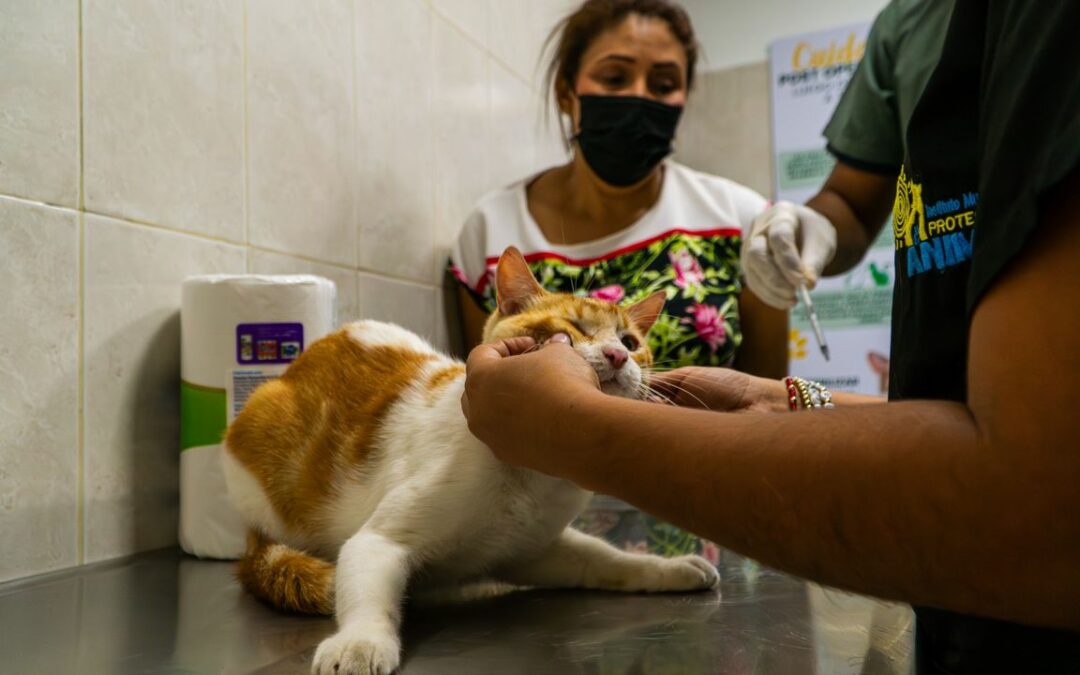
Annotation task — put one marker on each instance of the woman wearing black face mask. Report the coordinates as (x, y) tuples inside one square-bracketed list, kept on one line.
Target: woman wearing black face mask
[(619, 221)]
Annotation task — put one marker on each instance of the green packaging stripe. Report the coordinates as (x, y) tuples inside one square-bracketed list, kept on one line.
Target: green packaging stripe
[(202, 415)]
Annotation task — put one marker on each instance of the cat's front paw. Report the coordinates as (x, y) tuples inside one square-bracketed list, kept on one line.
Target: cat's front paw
[(355, 652), (686, 573)]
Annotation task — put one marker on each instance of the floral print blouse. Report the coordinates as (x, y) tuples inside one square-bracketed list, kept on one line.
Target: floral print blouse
[(697, 270)]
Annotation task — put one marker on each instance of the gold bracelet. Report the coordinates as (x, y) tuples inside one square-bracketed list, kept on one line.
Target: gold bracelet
[(813, 395)]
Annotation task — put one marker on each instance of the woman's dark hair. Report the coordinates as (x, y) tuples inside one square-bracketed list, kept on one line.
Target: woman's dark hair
[(573, 35)]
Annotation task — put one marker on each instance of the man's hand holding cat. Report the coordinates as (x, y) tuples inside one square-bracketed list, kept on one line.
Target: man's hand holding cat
[(514, 391), (720, 389)]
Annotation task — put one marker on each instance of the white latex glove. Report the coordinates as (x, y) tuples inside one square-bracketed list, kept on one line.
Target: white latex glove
[(787, 244)]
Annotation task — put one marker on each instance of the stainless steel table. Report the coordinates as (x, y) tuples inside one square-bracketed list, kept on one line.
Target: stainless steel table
[(167, 613)]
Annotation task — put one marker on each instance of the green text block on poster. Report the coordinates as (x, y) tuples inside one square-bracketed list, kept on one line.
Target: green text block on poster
[(804, 168)]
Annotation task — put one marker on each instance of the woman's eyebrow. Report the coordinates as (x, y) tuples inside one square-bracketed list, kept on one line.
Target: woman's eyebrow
[(618, 57)]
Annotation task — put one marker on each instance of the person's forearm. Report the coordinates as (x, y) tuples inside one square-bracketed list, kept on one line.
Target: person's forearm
[(857, 203), (852, 240), (938, 516)]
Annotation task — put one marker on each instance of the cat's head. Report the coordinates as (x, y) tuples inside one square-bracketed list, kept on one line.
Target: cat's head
[(610, 338)]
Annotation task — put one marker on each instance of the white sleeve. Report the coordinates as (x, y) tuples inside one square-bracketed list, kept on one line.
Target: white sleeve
[(748, 204), (730, 200), (468, 256)]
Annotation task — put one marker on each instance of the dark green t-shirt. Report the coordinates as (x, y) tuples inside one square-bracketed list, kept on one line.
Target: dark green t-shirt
[(995, 126), (866, 130)]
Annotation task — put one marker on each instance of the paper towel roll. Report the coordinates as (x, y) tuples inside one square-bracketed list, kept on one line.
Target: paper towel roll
[(236, 332)]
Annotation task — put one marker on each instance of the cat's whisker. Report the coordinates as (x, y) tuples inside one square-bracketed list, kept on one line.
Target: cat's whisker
[(688, 393), (665, 362), (692, 378), (698, 377), (655, 391), (649, 392)]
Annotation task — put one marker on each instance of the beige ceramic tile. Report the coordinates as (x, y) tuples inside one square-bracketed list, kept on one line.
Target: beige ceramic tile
[(395, 182), (301, 145), (519, 31), (163, 113), (472, 17), (463, 138), (39, 324), (725, 129), (39, 100), (406, 304), (132, 380), (514, 120)]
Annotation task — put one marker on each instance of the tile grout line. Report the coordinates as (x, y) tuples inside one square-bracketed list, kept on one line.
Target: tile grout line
[(244, 121), (80, 397), (80, 394), (131, 222), (37, 202), (399, 280), (433, 148), (354, 164), (79, 88), (476, 43)]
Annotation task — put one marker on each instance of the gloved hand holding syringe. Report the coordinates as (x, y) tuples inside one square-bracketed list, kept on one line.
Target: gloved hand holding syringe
[(778, 269)]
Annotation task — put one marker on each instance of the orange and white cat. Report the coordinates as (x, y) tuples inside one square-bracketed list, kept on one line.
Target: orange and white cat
[(360, 453)]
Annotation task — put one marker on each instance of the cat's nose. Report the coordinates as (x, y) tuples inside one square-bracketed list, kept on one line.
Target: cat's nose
[(616, 355)]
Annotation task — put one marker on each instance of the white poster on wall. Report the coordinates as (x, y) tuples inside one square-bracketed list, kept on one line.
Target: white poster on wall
[(808, 74)]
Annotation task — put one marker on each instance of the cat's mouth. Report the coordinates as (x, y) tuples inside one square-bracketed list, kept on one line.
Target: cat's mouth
[(612, 385), (608, 377), (616, 388)]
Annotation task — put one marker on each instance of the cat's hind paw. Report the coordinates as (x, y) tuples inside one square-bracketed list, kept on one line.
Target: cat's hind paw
[(353, 652)]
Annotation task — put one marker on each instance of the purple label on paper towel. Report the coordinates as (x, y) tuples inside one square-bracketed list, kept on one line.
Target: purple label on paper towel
[(269, 342)]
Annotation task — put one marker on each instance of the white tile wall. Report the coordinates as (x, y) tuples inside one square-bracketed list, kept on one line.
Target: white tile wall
[(405, 303), (131, 355), (39, 100), (520, 29), (461, 97), (301, 140), (39, 294), (725, 130), (514, 115), (347, 138), (472, 17), (163, 113), (395, 121)]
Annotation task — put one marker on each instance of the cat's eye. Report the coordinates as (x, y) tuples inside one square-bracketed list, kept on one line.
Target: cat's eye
[(630, 342)]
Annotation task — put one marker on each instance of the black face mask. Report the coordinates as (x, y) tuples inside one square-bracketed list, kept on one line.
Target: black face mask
[(623, 138)]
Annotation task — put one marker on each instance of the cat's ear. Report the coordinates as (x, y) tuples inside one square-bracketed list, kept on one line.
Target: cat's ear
[(644, 313), (515, 285)]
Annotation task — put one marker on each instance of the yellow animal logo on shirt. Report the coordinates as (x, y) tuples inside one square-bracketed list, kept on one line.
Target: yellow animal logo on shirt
[(908, 211), (943, 241)]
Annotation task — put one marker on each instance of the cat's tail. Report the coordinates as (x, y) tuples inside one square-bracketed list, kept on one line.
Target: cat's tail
[(285, 577)]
